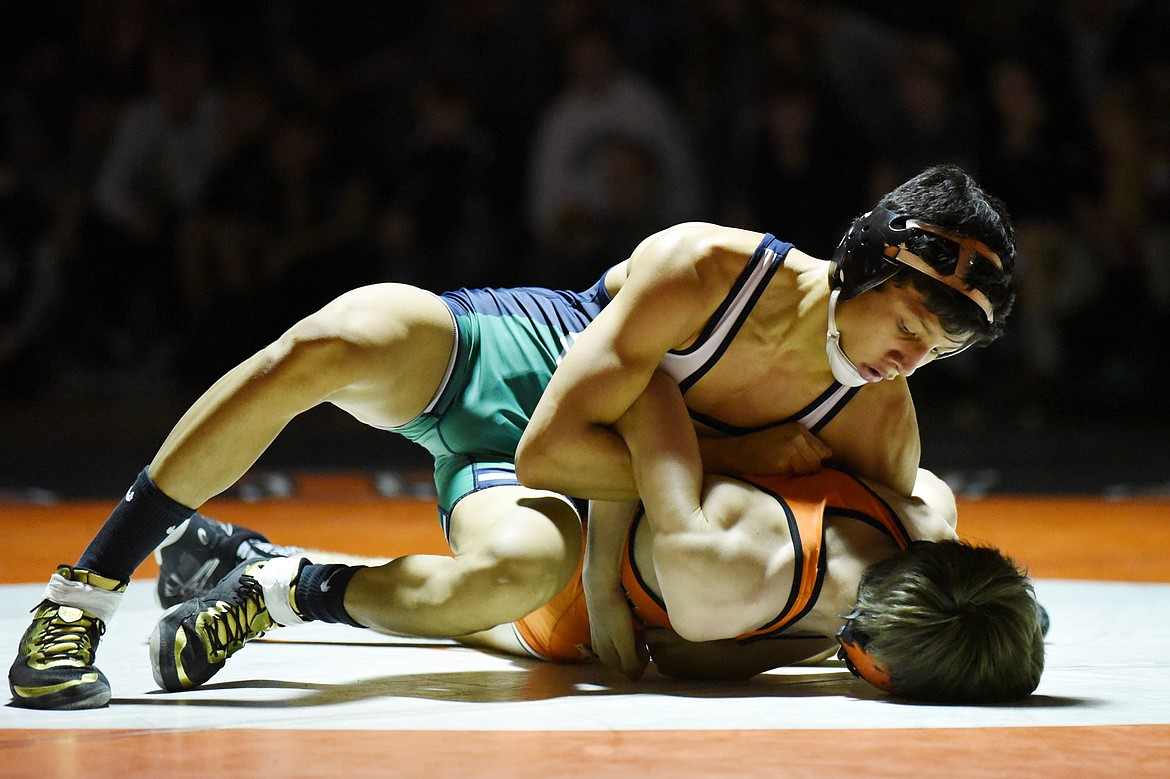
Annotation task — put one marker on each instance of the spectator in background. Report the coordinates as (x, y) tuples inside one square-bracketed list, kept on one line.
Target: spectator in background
[(1117, 348), (289, 225), (932, 120), (1092, 34), (222, 247), (28, 283), (798, 165), (152, 176), (721, 81), (1039, 158), (440, 188), (503, 56), (603, 119)]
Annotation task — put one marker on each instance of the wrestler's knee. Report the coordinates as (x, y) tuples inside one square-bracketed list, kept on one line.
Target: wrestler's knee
[(539, 565), (532, 548)]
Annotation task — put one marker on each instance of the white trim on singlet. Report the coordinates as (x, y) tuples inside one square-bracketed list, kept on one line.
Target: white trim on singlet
[(681, 365), (829, 404), (450, 363), (689, 365), (524, 644), (446, 375)]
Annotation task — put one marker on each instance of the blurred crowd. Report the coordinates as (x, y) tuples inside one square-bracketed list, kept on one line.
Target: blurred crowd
[(179, 181)]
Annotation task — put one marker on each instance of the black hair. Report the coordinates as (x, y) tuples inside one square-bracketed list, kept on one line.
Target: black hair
[(947, 197)]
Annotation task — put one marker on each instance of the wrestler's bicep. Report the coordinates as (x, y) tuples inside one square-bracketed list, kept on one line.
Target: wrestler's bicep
[(876, 437), (611, 363)]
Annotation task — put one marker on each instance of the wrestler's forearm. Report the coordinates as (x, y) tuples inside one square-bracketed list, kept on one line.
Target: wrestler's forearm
[(590, 462), (729, 660), (664, 451), (608, 527), (611, 624)]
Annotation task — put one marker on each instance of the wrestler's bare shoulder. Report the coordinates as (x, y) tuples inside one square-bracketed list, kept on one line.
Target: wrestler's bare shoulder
[(695, 244)]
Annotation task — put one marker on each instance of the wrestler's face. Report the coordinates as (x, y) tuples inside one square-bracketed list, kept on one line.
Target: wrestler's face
[(888, 332)]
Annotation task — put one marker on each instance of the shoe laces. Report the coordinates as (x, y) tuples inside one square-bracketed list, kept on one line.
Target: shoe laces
[(62, 642), (227, 626), (255, 547)]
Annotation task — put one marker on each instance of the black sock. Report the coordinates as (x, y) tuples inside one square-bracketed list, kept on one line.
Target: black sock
[(320, 592), (136, 526)]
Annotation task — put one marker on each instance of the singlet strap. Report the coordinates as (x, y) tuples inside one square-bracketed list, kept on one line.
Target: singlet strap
[(689, 365)]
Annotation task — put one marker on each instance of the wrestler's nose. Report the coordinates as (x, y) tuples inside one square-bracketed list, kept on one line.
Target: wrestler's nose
[(908, 359)]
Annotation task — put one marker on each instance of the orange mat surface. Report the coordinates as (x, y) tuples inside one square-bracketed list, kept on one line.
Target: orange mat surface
[(1054, 537), (1133, 752)]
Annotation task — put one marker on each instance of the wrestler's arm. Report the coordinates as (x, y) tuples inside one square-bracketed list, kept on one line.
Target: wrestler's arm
[(657, 424), (930, 513), (728, 659), (714, 556), (611, 625), (876, 436), (788, 450), (675, 281)]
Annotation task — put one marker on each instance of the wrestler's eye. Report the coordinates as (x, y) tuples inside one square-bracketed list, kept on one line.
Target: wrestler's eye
[(902, 326)]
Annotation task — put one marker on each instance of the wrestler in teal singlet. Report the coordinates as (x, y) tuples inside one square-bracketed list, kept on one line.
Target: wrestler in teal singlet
[(509, 342)]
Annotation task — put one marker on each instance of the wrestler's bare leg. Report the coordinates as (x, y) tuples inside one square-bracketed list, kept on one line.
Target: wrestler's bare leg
[(499, 638), (514, 549), (378, 352)]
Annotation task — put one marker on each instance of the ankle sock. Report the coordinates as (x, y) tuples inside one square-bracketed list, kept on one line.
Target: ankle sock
[(91, 592), (320, 592), (137, 525)]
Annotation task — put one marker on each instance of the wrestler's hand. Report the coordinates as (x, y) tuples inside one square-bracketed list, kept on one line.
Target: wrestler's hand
[(785, 450), (611, 626)]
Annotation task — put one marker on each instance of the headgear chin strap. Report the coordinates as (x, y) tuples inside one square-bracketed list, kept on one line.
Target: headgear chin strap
[(858, 659), (874, 249), (843, 368)]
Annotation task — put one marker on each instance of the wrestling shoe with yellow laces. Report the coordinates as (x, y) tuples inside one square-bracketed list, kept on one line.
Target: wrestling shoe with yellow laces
[(193, 640), (54, 666)]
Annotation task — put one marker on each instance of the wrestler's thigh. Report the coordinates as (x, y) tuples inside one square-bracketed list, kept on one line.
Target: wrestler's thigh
[(400, 340)]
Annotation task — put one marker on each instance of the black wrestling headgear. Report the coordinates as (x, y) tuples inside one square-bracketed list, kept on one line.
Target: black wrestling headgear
[(874, 249)]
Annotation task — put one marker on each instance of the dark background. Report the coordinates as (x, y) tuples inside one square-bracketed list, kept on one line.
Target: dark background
[(180, 181)]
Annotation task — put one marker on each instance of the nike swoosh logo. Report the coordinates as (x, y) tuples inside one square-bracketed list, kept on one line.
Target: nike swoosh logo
[(196, 584), (327, 584)]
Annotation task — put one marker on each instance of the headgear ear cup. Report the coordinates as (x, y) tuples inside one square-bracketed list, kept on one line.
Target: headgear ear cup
[(859, 661), (873, 250), (859, 263)]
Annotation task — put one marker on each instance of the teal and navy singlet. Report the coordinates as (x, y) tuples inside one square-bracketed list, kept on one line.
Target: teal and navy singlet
[(508, 343)]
